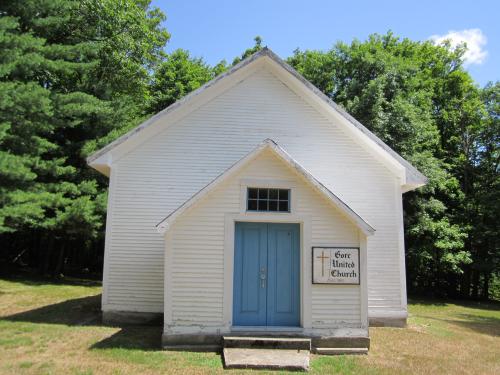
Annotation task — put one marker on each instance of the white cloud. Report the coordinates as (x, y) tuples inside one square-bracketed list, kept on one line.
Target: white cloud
[(475, 40)]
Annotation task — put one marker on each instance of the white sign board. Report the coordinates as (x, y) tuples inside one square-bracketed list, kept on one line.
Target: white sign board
[(335, 265)]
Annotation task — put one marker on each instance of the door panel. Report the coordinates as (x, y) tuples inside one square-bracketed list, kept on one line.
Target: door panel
[(266, 275), (250, 286), (249, 296), (283, 295)]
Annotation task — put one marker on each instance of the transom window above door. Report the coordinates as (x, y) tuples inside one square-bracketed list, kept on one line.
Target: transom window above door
[(268, 200)]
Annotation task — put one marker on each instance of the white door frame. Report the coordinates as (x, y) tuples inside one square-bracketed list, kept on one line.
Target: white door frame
[(305, 262)]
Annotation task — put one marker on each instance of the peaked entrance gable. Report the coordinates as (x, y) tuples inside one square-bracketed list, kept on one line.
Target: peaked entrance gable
[(271, 145)]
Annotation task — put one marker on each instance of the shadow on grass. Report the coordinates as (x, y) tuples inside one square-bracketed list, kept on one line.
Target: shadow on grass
[(86, 311), (72, 312), (146, 338), (480, 324)]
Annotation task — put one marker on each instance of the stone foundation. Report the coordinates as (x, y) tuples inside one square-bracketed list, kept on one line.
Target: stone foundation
[(145, 318), (131, 318), (192, 342), (212, 342)]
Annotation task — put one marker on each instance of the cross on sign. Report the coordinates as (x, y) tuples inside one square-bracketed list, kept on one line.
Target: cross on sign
[(323, 257)]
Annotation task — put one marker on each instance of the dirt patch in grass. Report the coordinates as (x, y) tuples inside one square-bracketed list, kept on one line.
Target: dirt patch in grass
[(54, 328)]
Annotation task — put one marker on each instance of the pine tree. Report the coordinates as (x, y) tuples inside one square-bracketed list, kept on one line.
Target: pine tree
[(417, 98), (71, 72)]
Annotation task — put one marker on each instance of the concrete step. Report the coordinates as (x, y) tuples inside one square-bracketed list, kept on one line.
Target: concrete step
[(246, 342), (271, 359), (339, 351)]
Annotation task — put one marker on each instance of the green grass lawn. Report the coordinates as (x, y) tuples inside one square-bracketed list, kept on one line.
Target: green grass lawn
[(49, 328)]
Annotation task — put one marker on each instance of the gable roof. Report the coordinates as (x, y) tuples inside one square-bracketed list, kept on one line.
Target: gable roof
[(101, 159), (268, 144)]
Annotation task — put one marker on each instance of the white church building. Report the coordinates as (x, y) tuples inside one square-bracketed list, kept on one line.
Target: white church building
[(255, 205)]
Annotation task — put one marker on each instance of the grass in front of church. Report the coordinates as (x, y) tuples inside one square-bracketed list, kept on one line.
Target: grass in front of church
[(51, 328)]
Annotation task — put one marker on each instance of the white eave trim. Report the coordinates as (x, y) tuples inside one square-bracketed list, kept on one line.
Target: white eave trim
[(102, 164), (173, 107), (268, 144), (411, 177)]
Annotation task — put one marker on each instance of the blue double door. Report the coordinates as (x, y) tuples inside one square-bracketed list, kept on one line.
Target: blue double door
[(266, 287)]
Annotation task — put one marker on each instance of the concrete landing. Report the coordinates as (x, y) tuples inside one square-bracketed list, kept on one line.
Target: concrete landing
[(272, 353), (272, 359)]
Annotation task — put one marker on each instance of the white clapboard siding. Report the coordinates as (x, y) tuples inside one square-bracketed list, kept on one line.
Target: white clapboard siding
[(164, 171), (335, 306), (197, 273)]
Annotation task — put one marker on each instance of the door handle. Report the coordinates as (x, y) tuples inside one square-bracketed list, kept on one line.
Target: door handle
[(262, 277)]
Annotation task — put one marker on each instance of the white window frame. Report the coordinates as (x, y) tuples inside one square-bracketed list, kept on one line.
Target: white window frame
[(267, 184)]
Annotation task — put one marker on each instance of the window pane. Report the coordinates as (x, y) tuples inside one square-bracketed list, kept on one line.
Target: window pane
[(252, 205), (273, 206), (268, 200), (263, 193), (283, 206), (284, 194), (262, 205), (273, 193), (252, 193)]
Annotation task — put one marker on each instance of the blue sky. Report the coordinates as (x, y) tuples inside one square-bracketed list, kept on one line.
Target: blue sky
[(222, 29)]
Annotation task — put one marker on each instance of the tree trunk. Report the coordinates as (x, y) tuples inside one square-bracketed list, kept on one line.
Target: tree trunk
[(60, 260), (486, 286), (437, 276), (48, 255), (465, 283), (475, 284), (34, 249)]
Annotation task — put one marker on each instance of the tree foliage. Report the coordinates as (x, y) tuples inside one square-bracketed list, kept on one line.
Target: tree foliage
[(74, 75), (418, 98), (70, 73), (178, 75), (250, 51)]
